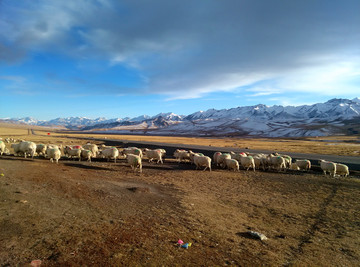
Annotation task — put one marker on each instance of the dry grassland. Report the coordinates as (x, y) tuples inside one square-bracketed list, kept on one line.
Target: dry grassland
[(330, 145)]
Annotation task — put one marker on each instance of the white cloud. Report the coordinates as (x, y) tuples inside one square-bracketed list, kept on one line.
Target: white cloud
[(189, 49), (290, 101), (13, 78), (333, 78), (264, 93)]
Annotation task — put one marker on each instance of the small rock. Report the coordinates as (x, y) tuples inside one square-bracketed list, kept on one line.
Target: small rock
[(260, 236)]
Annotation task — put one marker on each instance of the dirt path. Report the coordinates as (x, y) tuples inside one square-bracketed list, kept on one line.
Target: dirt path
[(100, 213)]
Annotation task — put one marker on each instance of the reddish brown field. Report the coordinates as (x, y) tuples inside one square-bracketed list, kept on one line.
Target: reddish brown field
[(103, 214)]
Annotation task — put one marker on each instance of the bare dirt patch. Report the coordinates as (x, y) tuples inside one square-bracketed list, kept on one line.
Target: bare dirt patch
[(100, 213)]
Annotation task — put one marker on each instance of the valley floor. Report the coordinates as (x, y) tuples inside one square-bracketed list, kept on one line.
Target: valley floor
[(101, 213)]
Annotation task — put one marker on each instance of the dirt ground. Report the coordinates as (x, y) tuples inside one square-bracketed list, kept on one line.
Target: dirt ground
[(103, 214)]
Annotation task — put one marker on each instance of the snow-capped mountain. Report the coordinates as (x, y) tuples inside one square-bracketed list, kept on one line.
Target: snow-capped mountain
[(76, 122), (169, 116), (336, 116), (332, 109)]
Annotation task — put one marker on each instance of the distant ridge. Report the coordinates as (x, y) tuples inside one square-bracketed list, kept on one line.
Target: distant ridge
[(336, 116)]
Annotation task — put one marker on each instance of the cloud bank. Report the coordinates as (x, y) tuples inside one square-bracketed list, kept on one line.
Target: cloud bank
[(186, 49)]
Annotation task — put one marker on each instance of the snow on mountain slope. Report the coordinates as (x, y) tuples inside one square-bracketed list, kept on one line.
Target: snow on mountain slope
[(275, 121), (336, 116)]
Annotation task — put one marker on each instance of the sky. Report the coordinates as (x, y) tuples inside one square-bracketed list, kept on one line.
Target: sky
[(125, 58)]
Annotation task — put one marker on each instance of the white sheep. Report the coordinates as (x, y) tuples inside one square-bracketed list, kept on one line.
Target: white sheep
[(93, 148), (110, 153), (181, 155), (41, 149), (288, 160), (237, 156), (192, 154), (134, 161), (76, 146), (276, 162), (221, 159), (71, 147), (328, 166), (202, 161), (27, 147), (247, 162), (260, 161), (86, 154), (2, 147), (342, 170), (303, 164), (54, 146), (73, 151), (132, 150), (154, 154), (53, 154), (16, 148), (232, 164), (215, 157), (163, 152)]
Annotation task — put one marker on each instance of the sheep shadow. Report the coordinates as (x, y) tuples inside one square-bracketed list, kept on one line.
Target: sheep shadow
[(87, 167), (17, 158), (246, 235), (159, 166)]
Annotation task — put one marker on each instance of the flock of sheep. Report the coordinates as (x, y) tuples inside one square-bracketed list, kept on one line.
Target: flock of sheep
[(134, 156), (275, 161)]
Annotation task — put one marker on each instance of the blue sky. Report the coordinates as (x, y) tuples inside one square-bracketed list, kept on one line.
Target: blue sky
[(104, 58)]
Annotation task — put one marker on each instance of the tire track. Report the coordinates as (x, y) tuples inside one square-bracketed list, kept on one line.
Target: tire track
[(310, 233)]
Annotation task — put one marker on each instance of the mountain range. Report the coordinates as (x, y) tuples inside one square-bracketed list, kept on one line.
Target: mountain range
[(336, 116)]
